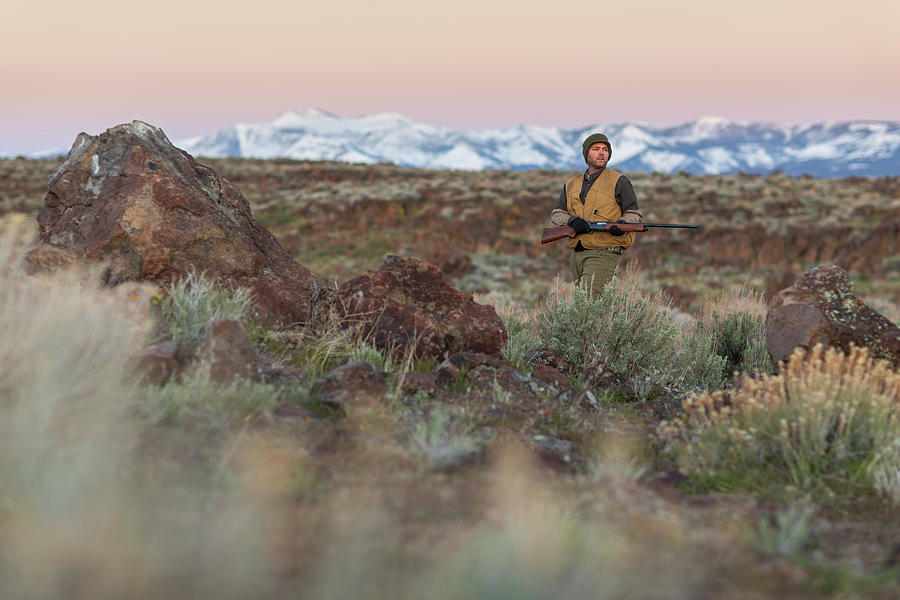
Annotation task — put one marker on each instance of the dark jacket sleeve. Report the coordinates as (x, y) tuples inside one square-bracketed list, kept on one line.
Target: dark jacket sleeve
[(560, 214), (625, 195), (562, 204)]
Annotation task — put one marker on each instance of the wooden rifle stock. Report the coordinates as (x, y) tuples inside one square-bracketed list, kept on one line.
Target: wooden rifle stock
[(551, 234)]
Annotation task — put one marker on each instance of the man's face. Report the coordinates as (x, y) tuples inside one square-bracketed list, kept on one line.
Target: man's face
[(597, 156)]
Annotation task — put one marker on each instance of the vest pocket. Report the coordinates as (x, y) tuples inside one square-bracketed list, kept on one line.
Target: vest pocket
[(600, 217)]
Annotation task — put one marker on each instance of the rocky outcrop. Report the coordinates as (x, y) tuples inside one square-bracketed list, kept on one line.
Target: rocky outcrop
[(408, 304), (352, 384), (228, 353), (159, 362), (225, 354), (820, 308), (150, 212)]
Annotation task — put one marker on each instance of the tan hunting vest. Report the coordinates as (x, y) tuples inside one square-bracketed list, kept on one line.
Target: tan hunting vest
[(599, 205)]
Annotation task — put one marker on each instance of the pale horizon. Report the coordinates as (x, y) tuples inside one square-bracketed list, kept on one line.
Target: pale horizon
[(195, 68)]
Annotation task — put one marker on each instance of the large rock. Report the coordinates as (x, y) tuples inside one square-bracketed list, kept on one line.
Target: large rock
[(820, 308), (131, 199), (228, 352), (408, 304), (355, 383)]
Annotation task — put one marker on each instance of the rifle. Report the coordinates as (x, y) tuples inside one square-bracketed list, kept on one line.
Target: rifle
[(551, 234)]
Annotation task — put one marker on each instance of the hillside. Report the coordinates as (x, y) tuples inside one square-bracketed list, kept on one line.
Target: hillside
[(483, 228)]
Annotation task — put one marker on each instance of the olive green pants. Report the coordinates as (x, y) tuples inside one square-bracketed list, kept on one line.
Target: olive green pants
[(592, 269)]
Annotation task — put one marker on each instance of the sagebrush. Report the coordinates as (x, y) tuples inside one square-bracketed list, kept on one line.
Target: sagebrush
[(828, 420)]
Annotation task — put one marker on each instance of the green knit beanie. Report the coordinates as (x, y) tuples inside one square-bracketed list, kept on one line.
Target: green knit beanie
[(592, 139)]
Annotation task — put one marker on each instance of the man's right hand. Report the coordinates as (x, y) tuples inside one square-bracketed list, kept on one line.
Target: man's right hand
[(579, 225)]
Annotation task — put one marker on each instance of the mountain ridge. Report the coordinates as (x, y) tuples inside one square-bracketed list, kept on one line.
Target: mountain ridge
[(707, 145)]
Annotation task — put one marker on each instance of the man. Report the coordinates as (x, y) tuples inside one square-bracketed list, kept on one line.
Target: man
[(598, 194)]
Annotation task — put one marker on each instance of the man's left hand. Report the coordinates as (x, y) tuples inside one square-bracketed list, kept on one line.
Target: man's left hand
[(614, 230)]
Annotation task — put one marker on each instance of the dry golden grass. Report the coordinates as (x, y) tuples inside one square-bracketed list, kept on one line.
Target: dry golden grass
[(828, 423), (736, 300)]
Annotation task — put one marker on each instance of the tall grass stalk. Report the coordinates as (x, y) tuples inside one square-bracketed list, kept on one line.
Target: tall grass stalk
[(786, 531), (727, 337), (65, 346), (522, 335), (736, 323)]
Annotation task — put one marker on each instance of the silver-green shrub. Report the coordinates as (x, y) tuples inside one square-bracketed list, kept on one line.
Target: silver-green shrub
[(192, 302), (739, 338), (624, 329), (198, 397), (521, 339), (727, 338)]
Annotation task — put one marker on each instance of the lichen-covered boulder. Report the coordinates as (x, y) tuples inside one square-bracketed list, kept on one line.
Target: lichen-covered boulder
[(820, 308), (407, 304), (130, 199)]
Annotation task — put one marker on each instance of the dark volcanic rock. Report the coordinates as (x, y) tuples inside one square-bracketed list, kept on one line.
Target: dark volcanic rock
[(552, 376), (351, 384), (407, 303), (132, 200), (456, 363), (158, 363), (416, 382), (550, 358), (557, 453), (228, 352), (820, 308)]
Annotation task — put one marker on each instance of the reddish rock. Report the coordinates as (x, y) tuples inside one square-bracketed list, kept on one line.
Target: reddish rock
[(408, 303), (820, 308), (554, 377), (476, 359), (354, 383), (554, 452), (550, 358), (228, 353), (132, 200), (158, 363), (416, 382), (453, 365)]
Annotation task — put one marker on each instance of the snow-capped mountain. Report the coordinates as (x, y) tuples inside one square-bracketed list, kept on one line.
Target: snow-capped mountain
[(707, 145)]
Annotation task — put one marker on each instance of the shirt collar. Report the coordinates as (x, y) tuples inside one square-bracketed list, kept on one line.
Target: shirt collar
[(594, 175)]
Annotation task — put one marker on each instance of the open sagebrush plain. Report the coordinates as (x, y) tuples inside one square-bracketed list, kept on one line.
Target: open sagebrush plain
[(641, 471)]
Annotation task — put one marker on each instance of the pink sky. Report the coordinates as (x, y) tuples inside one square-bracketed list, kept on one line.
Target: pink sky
[(195, 67)]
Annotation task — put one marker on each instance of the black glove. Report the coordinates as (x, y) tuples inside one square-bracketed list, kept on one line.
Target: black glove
[(579, 225), (612, 229)]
